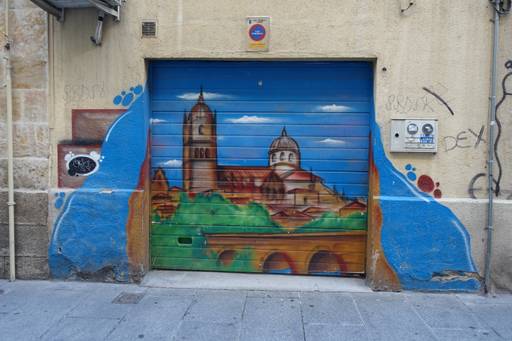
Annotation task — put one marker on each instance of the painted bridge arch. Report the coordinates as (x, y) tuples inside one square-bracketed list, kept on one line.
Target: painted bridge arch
[(335, 254)]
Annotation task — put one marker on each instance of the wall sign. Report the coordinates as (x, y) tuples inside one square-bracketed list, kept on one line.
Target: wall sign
[(258, 34)]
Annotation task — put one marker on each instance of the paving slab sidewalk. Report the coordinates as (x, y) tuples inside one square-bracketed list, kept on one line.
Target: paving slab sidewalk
[(50, 310)]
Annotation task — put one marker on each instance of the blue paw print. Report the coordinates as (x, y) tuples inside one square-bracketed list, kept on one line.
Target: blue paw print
[(125, 98), (410, 172), (59, 199)]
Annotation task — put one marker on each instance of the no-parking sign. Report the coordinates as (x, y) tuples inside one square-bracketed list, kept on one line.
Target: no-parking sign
[(258, 33)]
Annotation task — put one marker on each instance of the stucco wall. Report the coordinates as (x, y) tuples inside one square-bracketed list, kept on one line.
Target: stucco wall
[(444, 47)]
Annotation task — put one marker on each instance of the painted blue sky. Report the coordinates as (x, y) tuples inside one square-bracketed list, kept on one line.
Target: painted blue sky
[(325, 107)]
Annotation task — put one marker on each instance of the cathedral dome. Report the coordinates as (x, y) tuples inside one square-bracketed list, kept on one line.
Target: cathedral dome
[(284, 143), (284, 152)]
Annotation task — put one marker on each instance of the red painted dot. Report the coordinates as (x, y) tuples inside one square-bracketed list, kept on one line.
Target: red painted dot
[(438, 194), (426, 184)]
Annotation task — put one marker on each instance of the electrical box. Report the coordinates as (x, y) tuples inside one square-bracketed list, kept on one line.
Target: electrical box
[(414, 135)]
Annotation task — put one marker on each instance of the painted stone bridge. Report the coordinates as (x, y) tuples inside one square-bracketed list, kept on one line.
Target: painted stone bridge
[(332, 253)]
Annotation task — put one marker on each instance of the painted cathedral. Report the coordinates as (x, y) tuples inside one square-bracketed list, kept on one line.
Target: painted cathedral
[(292, 195)]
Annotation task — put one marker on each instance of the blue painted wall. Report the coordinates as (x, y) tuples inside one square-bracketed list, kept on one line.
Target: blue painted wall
[(423, 241), (89, 237)]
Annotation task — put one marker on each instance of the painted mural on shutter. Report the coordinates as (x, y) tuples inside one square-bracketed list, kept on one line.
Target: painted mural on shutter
[(260, 166)]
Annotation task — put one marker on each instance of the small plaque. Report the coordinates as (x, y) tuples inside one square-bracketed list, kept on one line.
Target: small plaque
[(258, 34)]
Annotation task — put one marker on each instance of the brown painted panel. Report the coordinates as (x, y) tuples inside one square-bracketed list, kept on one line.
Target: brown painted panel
[(92, 124)]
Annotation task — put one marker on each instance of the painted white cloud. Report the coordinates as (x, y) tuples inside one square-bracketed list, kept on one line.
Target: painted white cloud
[(332, 141), (251, 119), (158, 120), (192, 96), (172, 163), (332, 108)]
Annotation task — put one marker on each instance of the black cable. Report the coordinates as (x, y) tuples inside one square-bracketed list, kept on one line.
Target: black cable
[(508, 65)]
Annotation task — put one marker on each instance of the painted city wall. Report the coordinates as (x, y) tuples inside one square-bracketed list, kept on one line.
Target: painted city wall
[(429, 61), (223, 201)]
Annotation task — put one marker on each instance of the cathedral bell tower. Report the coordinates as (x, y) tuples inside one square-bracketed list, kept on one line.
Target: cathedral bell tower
[(199, 148)]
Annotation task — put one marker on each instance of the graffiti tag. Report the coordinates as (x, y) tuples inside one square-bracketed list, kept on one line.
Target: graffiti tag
[(406, 104), (79, 92), (465, 139), (478, 188), (440, 99), (82, 164)]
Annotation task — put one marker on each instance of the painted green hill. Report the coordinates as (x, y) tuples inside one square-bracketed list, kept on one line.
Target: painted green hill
[(213, 213)]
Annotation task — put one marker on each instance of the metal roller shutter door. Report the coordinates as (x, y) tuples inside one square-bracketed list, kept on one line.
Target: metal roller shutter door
[(260, 166)]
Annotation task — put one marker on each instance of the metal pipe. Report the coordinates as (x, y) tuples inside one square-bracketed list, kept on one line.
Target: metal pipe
[(10, 156), (490, 157), (98, 34)]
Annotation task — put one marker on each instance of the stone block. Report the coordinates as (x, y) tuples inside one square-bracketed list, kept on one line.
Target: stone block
[(31, 140), (3, 142), (495, 316), (467, 334), (28, 31), (444, 312), (30, 209), (28, 106), (17, 98), (29, 73), (102, 307), (31, 241), (335, 332), (205, 311), (30, 267), (318, 308), (203, 331), (3, 172), (2, 101), (34, 106), (4, 272), (18, 4), (272, 319), (29, 173), (155, 317), (4, 240), (391, 310), (81, 329)]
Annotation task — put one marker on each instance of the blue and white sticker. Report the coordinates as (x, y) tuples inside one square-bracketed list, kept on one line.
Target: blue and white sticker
[(257, 32)]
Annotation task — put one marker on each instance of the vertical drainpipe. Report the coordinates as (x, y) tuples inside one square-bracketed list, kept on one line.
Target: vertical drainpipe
[(10, 160), (490, 158)]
